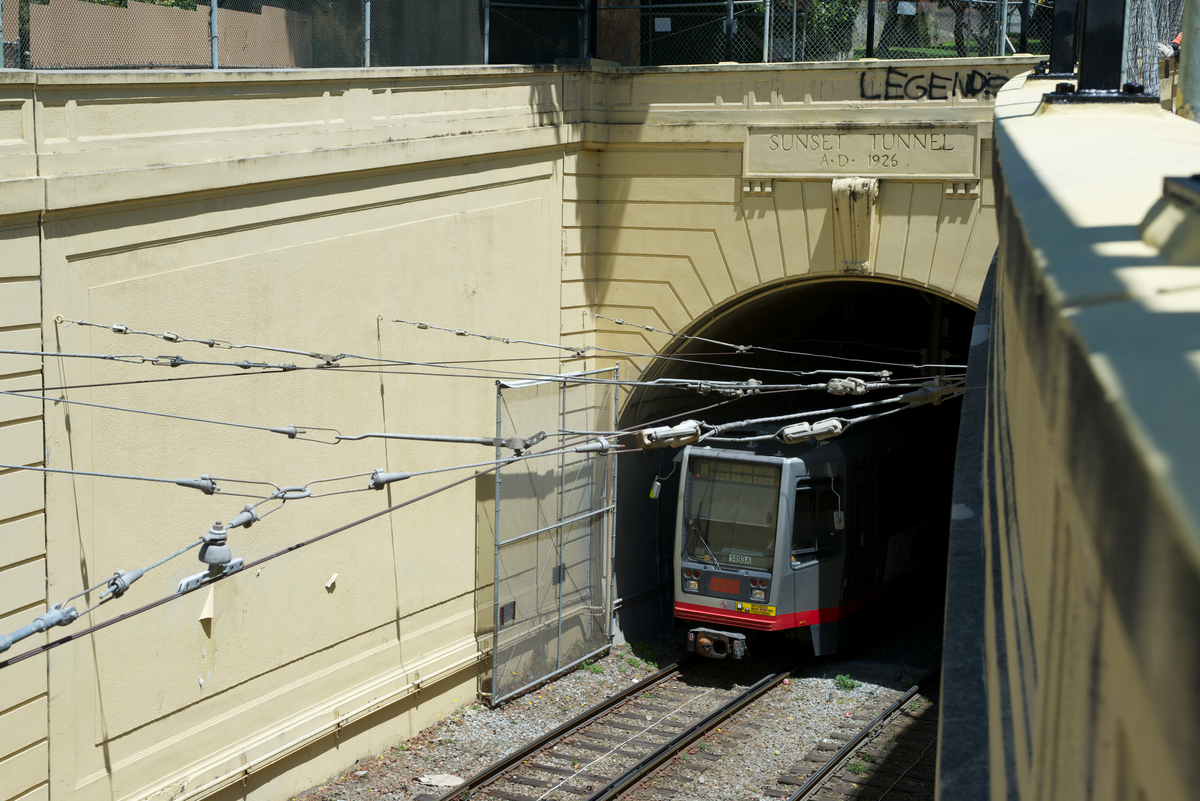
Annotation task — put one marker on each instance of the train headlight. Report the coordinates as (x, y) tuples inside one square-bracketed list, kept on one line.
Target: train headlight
[(758, 595), (691, 585)]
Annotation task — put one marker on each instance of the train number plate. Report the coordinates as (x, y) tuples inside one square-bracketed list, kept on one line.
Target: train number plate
[(757, 609)]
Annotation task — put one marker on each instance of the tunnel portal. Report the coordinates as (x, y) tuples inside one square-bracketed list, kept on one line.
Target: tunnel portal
[(846, 326)]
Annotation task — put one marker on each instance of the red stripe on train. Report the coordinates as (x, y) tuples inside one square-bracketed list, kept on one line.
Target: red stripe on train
[(710, 614)]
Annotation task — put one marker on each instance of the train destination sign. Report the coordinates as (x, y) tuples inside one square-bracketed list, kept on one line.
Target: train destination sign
[(932, 151)]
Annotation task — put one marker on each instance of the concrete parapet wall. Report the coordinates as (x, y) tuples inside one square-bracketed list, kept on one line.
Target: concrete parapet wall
[(1070, 628)]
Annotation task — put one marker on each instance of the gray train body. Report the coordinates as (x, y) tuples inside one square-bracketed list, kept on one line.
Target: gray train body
[(804, 538)]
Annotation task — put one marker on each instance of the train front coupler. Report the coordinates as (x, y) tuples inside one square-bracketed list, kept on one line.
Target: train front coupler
[(716, 644)]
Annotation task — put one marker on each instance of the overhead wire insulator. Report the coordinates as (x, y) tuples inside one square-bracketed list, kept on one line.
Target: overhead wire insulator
[(846, 386), (205, 484), (247, 517), (380, 479), (802, 432), (601, 445), (121, 581), (685, 433), (55, 616), (290, 431)]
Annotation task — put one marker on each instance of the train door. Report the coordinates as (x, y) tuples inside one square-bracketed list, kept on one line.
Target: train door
[(817, 552), (861, 541)]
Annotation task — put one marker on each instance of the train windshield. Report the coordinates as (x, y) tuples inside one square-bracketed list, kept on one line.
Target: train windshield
[(731, 510)]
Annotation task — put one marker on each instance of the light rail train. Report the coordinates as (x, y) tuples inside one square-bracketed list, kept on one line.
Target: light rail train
[(805, 538)]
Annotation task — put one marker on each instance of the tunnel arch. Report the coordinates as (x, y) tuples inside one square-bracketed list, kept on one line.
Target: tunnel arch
[(755, 317), (848, 317)]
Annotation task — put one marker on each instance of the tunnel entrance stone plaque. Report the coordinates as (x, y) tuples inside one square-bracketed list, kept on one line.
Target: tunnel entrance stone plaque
[(921, 151)]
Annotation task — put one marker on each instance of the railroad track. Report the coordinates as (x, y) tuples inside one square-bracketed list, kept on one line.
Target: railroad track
[(893, 756), (620, 743)]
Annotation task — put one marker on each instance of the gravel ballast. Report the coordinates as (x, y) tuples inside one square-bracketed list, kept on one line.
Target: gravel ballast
[(762, 742)]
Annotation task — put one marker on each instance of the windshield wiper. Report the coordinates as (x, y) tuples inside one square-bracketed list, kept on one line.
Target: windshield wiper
[(704, 541)]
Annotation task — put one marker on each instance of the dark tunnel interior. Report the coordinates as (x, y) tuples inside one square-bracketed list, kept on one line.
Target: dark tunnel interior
[(848, 327)]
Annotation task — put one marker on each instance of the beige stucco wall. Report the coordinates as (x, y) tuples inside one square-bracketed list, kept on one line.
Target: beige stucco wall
[(1090, 511), (305, 210)]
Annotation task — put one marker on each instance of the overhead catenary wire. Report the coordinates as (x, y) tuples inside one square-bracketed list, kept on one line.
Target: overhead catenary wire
[(582, 350), (256, 563), (748, 348), (336, 360), (157, 361)]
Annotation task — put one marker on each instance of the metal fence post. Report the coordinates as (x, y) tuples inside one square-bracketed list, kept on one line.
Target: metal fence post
[(487, 29), (1101, 56), (366, 33), (767, 32), (1001, 25), (1189, 63), (870, 29), (1024, 26), (804, 33), (593, 23), (1062, 37), (212, 31), (794, 29), (729, 30)]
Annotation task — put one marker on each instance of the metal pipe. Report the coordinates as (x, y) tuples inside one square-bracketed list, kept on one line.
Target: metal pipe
[(1062, 37), (1024, 26), (804, 33), (1001, 26), (589, 27), (729, 30), (487, 34), (212, 31), (367, 33), (767, 32), (794, 29), (870, 29), (1189, 63), (1102, 45)]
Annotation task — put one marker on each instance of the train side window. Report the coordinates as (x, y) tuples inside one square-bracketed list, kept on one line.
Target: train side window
[(828, 537), (814, 533), (804, 533)]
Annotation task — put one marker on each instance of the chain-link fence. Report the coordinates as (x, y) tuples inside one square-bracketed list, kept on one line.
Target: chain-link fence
[(690, 32), (175, 34), (553, 546), (1150, 22)]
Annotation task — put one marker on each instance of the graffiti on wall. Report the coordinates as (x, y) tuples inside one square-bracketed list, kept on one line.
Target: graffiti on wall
[(932, 85)]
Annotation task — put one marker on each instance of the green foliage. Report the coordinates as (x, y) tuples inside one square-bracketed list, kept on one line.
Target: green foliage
[(857, 767), (592, 667), (844, 682), (830, 28), (648, 655)]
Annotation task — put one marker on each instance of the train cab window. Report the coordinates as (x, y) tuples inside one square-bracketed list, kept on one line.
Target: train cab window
[(731, 508), (814, 533)]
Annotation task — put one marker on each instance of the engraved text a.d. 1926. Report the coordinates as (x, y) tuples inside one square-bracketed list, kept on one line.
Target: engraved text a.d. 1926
[(941, 151)]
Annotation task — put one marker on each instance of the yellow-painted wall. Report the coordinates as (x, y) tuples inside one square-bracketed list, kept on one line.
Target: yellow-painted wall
[(305, 211), (1088, 521)]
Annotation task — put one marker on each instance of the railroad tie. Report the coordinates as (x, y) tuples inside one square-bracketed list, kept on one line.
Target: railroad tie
[(885, 784), (587, 777), (509, 796)]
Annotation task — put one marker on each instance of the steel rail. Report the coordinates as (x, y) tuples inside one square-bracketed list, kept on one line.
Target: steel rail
[(849, 748), (498, 769), (647, 765)]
